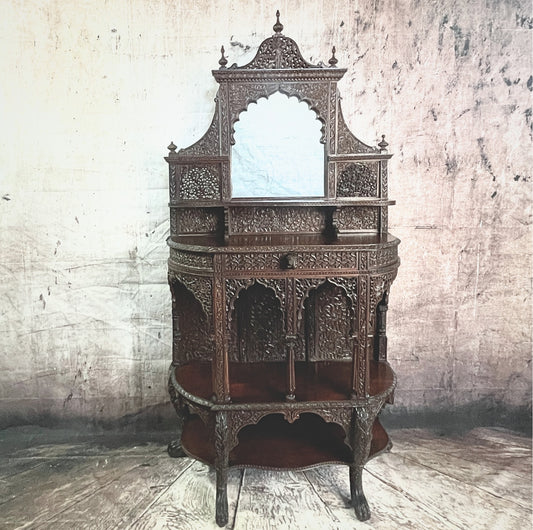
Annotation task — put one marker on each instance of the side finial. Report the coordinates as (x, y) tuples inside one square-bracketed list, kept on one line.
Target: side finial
[(333, 61), (278, 26), (383, 144), (172, 148), (223, 61)]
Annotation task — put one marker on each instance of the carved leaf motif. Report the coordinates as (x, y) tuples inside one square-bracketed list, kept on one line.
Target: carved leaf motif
[(267, 220), (259, 323), (328, 317), (190, 259), (357, 218), (196, 220)]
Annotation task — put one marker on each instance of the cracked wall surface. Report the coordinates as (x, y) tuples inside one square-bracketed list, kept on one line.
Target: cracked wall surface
[(90, 97)]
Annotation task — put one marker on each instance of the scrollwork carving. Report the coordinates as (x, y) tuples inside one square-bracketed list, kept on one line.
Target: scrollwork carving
[(191, 259), (357, 218), (277, 52), (283, 219), (196, 220), (328, 318)]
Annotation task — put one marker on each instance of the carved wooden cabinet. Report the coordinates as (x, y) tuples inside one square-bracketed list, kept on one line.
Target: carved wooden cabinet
[(279, 301)]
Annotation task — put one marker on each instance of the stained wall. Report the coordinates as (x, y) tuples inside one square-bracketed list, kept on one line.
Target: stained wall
[(92, 93)]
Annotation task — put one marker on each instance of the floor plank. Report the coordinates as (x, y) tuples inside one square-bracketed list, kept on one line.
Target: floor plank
[(124, 499), (189, 504), (287, 500)]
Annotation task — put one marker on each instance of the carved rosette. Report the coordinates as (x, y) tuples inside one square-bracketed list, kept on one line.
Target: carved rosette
[(358, 179)]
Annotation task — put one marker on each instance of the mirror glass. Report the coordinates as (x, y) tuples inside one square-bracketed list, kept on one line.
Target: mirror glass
[(277, 150)]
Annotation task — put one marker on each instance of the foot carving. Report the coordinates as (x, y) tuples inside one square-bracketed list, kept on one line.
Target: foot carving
[(222, 511), (362, 510), (175, 450)]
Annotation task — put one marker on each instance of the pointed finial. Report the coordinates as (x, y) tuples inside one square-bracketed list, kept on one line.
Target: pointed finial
[(278, 26), (223, 61), (383, 144), (172, 148), (333, 61)]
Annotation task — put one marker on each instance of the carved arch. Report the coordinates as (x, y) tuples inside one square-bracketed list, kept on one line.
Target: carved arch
[(242, 95)]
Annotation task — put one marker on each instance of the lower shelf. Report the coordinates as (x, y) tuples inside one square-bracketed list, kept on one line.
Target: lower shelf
[(273, 443)]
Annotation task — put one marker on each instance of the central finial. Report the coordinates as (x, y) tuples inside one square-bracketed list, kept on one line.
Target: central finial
[(278, 26)]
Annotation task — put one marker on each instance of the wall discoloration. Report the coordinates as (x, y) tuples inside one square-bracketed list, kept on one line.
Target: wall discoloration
[(91, 98)]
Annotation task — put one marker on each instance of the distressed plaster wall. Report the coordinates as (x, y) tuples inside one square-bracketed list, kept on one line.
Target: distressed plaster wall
[(91, 94)]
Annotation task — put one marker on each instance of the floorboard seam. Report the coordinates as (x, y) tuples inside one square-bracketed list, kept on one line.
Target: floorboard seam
[(416, 502), (82, 497), (243, 471), (328, 509), (496, 496), (161, 493)]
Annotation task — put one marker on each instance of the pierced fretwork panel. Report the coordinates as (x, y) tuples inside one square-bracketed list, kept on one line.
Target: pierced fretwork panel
[(258, 326), (199, 183), (328, 322)]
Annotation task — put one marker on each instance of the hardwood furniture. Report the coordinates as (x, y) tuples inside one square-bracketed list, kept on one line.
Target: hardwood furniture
[(279, 302)]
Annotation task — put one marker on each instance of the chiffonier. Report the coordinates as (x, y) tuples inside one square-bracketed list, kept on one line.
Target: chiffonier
[(280, 269)]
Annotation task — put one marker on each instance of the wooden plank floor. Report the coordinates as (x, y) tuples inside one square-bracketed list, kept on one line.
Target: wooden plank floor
[(479, 480)]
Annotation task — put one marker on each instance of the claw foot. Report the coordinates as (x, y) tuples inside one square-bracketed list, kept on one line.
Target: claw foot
[(175, 450)]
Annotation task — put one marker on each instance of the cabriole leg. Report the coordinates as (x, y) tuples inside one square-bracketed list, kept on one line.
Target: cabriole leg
[(221, 467), (361, 438)]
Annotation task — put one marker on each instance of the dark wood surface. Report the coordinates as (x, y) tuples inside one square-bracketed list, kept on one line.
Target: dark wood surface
[(264, 382), (275, 443), (300, 241)]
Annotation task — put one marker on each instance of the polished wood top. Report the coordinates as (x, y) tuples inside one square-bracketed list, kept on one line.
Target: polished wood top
[(264, 382)]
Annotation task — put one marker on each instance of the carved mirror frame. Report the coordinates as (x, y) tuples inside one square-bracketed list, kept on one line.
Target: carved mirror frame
[(353, 170)]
